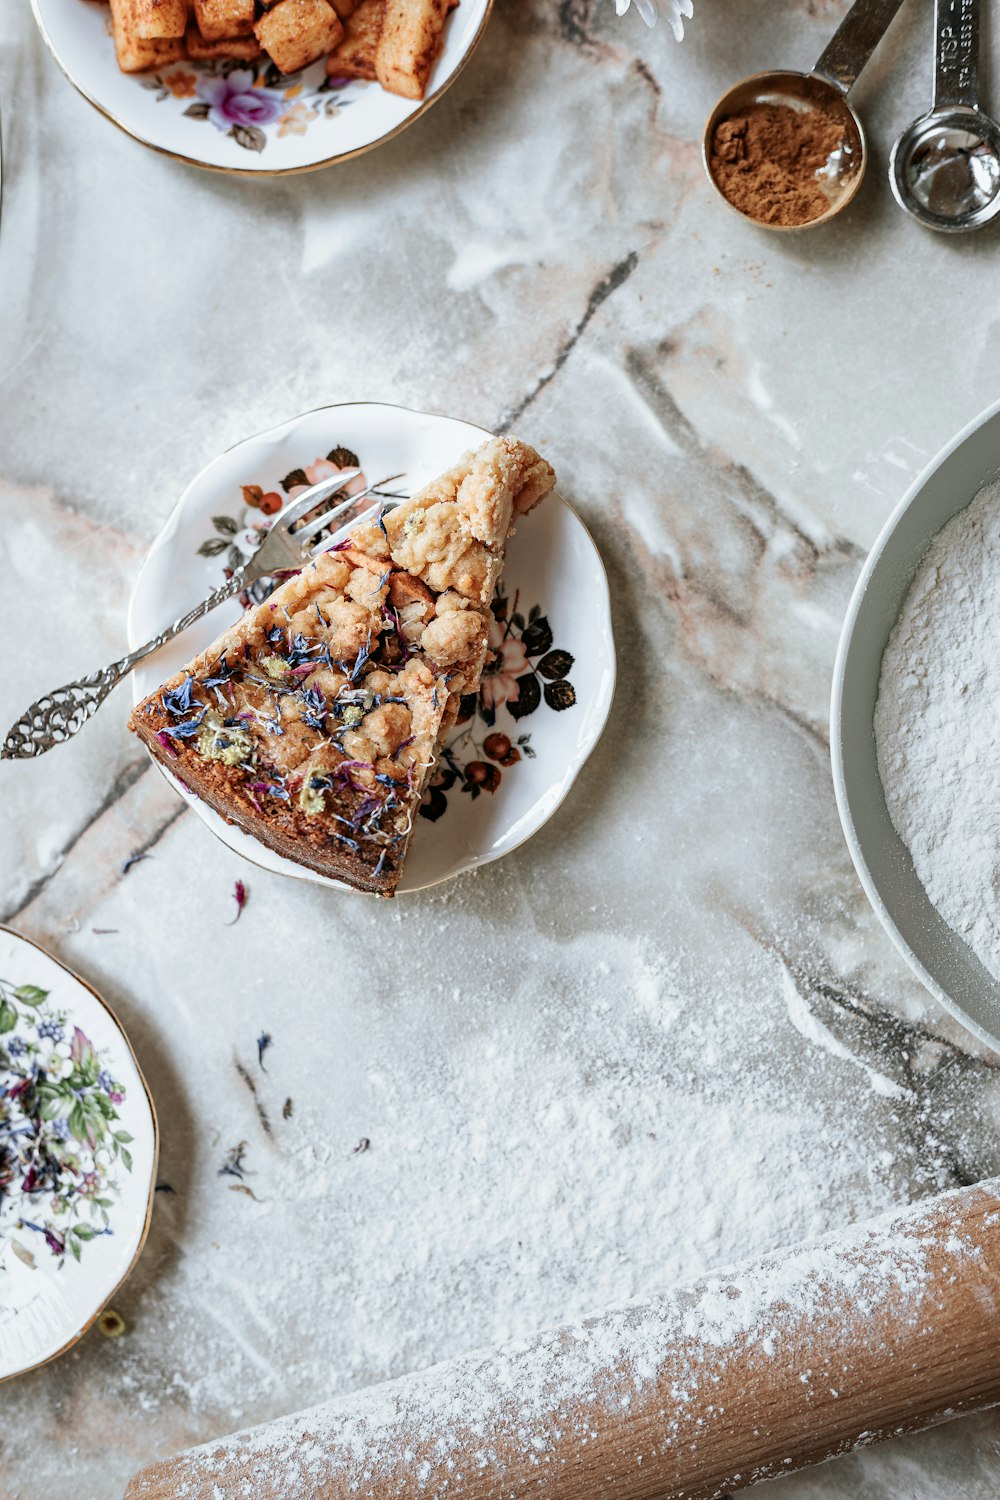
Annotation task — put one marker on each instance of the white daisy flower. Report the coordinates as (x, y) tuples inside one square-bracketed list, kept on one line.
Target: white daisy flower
[(674, 10)]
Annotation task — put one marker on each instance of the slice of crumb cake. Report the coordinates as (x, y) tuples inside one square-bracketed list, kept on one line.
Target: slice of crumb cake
[(314, 724)]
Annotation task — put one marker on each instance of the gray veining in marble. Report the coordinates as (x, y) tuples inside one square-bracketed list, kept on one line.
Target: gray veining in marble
[(734, 414)]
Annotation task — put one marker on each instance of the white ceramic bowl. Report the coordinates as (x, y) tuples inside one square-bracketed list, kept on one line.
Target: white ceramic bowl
[(557, 632), (295, 124), (939, 957)]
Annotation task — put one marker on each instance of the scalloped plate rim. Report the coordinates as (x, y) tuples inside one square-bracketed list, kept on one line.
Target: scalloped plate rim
[(85, 985)]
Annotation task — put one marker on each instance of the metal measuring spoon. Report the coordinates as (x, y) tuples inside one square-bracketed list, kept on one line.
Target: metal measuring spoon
[(825, 88), (945, 167)]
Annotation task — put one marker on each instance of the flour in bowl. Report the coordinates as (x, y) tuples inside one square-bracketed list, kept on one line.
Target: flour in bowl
[(937, 724)]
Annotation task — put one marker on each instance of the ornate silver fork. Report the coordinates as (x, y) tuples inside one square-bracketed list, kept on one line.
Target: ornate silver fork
[(288, 544)]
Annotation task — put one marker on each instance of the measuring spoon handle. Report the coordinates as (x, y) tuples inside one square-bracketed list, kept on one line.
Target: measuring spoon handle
[(856, 38), (956, 53)]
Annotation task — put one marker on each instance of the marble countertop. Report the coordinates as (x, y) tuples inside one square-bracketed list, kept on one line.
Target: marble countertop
[(681, 964)]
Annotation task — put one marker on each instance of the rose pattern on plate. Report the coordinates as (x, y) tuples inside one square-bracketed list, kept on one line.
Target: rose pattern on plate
[(525, 668), (60, 1141), (524, 671), (244, 101)]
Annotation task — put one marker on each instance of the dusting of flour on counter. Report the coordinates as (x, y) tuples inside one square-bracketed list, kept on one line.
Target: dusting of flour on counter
[(636, 1119), (937, 724)]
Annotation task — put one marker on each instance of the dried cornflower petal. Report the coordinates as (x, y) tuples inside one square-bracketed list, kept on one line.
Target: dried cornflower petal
[(164, 739), (240, 895), (234, 1166)]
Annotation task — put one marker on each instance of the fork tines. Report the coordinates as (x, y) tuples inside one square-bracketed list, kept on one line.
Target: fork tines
[(319, 524), (303, 533), (304, 503)]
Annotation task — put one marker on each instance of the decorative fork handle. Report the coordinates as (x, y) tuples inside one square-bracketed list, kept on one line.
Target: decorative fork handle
[(64, 711)]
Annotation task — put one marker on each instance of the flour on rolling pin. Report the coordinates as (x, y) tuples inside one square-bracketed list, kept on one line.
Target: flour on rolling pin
[(740, 1375)]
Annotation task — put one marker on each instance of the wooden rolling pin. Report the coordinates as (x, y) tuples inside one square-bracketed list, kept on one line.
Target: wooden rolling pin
[(887, 1328)]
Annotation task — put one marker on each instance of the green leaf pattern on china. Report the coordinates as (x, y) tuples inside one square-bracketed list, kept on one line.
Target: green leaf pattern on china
[(60, 1135)]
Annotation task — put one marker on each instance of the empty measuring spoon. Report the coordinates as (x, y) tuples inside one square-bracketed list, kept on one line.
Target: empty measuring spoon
[(825, 89), (945, 167)]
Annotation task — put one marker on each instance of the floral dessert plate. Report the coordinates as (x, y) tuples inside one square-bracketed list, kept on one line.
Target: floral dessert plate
[(244, 117), (78, 1149), (520, 743)]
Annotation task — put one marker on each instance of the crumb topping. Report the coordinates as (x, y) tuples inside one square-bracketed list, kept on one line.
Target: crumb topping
[(323, 709), (452, 533)]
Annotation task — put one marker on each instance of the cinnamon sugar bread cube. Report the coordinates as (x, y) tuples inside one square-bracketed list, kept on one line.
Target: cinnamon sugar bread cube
[(295, 33), (219, 20), (355, 56), (244, 48), (154, 19), (411, 37), (138, 54)]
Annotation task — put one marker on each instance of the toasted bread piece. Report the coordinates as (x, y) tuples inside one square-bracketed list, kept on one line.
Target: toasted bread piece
[(137, 54), (220, 20), (409, 44), (155, 19), (355, 57), (344, 8), (315, 723), (199, 49), (295, 33)]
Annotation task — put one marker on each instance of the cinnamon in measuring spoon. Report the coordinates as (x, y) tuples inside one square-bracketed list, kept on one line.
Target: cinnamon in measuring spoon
[(777, 164)]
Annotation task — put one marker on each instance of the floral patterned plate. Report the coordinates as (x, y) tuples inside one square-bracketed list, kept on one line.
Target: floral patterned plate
[(243, 117), (78, 1148), (520, 744)]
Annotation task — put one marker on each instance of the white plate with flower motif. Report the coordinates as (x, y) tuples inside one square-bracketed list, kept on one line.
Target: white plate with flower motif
[(542, 706), (78, 1147), (244, 117)]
